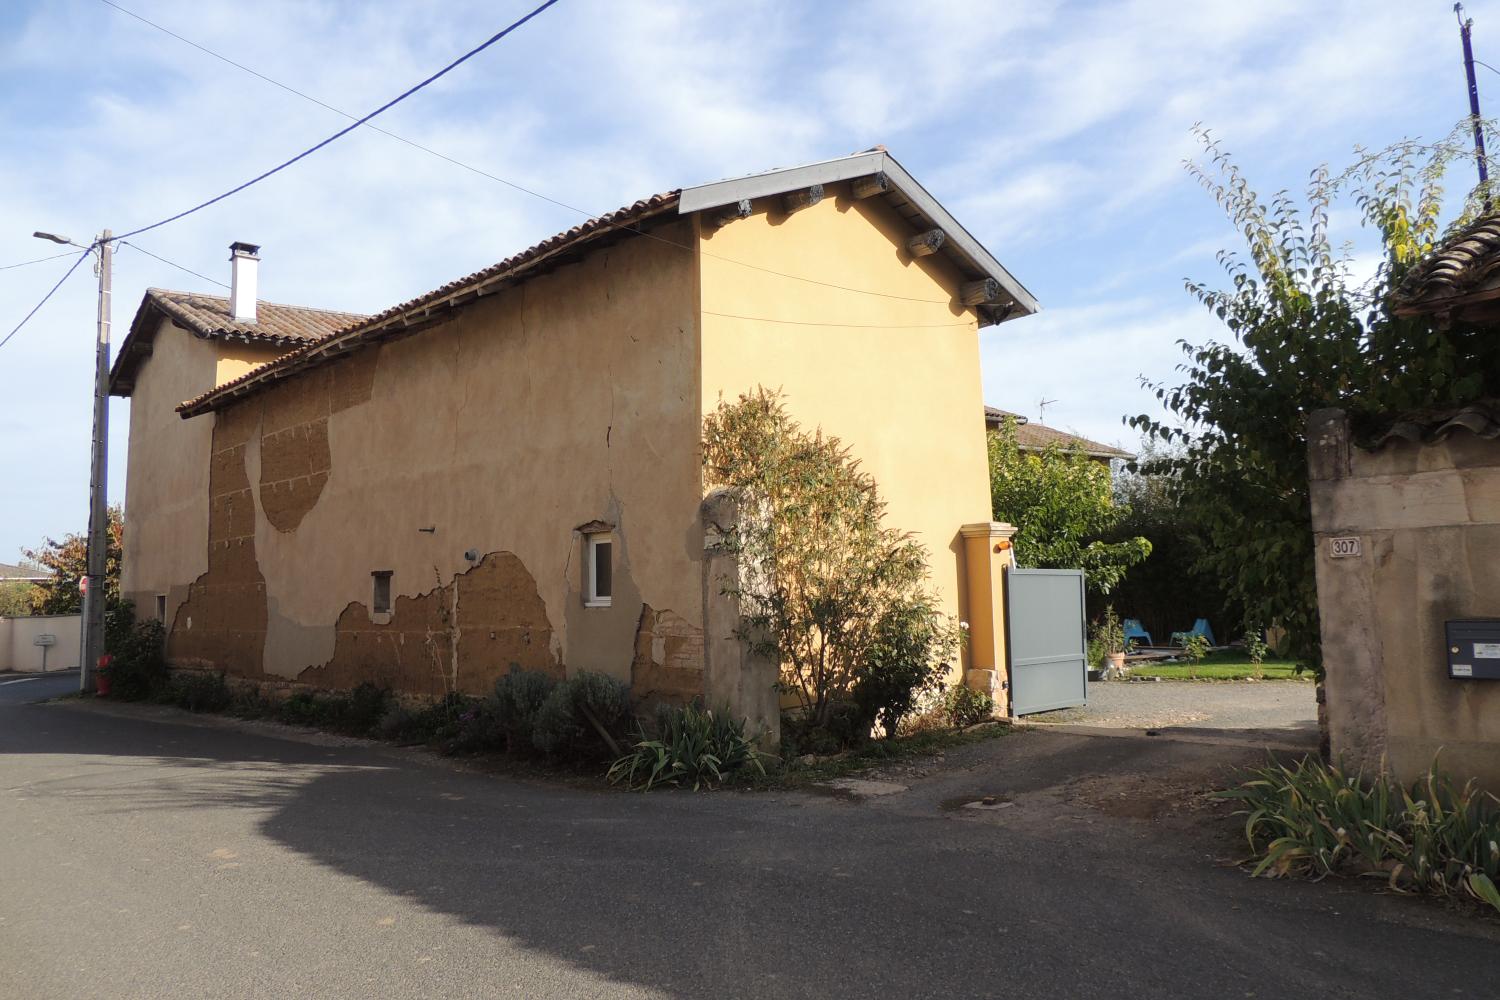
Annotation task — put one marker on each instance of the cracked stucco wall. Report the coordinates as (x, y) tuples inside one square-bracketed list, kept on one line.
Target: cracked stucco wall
[(166, 480), (570, 399)]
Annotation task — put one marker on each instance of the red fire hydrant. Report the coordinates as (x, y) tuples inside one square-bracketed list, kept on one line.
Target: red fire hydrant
[(101, 676)]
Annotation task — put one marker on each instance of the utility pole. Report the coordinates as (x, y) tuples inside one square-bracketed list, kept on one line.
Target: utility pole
[(1465, 25), (94, 600)]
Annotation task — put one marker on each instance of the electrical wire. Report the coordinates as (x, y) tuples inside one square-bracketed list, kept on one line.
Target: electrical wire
[(338, 111), (633, 227), (348, 128), (855, 326), (173, 263), (287, 163), (39, 260), (66, 275)]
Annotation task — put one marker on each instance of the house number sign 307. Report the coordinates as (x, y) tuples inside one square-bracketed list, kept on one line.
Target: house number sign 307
[(1345, 548)]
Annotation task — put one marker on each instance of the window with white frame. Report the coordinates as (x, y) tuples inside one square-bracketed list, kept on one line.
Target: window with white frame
[(598, 564)]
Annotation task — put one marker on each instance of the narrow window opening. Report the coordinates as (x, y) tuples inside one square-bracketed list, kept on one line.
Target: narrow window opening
[(161, 608), (380, 601), (599, 567)]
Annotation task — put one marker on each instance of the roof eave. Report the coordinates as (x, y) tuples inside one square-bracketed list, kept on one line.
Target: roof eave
[(426, 310), (960, 244)]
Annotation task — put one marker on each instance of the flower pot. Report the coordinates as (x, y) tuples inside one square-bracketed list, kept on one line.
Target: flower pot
[(1115, 662)]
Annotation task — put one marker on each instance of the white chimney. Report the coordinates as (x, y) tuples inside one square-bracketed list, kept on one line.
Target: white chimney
[(244, 258)]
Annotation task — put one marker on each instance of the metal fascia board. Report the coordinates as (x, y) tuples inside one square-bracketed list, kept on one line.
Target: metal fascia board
[(958, 237), (773, 182), (696, 199)]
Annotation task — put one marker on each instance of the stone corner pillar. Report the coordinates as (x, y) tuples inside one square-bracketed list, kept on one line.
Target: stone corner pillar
[(988, 551), (736, 675)]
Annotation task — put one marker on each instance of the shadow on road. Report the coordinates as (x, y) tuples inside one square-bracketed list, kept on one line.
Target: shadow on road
[(739, 894)]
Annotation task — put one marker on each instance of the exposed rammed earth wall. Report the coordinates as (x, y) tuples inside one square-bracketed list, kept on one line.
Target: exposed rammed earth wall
[(569, 400)]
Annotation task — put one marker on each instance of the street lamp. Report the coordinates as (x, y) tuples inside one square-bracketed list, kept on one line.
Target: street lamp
[(93, 597)]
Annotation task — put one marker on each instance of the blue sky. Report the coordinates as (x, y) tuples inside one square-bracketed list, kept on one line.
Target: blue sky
[(1054, 131)]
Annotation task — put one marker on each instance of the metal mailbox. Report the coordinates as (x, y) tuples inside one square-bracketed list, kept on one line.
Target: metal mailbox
[(1474, 649)]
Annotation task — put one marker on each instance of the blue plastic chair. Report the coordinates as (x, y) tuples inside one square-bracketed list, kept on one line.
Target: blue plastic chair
[(1135, 630), (1200, 627)]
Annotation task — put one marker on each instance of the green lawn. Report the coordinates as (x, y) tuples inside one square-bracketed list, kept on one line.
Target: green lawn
[(1225, 665)]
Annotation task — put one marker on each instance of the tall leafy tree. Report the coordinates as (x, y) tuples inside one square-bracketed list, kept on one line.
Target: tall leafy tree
[(1303, 335), (68, 562), (1062, 505)]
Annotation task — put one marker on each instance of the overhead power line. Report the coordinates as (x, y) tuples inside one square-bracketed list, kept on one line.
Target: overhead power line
[(338, 111), (497, 36), (348, 128), (39, 260), (633, 227), (172, 263), (67, 274)]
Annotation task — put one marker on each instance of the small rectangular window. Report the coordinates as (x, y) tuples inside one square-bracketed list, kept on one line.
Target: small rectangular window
[(380, 602), (600, 571), (161, 607)]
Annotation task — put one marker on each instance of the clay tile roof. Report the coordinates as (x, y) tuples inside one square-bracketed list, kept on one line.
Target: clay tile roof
[(274, 323), (420, 311), (1482, 419), (1038, 437), (1461, 264)]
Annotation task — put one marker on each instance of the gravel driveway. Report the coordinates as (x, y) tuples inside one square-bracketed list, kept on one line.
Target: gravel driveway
[(1275, 711)]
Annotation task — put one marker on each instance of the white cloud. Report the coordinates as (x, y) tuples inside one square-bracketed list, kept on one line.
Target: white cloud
[(1089, 360), (1054, 130)]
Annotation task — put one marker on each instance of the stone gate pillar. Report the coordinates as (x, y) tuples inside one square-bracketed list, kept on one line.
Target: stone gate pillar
[(734, 674), (987, 552)]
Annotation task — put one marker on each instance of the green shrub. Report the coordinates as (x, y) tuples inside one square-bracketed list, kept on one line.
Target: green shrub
[(301, 708), (557, 724), (367, 706), (582, 715), (518, 698), (1255, 643), (1195, 646), (689, 746), (966, 707), (1313, 819), (138, 666), (908, 657), (199, 692), (398, 723)]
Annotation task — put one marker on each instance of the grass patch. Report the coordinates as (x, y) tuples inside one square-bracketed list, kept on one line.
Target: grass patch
[(1224, 665)]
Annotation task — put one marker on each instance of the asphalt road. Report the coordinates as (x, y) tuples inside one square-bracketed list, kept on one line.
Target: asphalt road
[(153, 855)]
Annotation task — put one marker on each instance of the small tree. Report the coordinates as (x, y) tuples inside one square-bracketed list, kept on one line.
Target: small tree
[(68, 561), (1306, 336), (828, 589), (1062, 506)]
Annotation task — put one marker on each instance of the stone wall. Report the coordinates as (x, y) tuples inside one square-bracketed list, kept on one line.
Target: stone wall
[(1426, 517)]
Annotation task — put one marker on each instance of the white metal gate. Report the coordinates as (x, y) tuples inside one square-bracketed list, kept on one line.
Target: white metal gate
[(1045, 645)]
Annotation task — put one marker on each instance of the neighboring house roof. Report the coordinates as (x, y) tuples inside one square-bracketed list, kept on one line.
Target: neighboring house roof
[(1461, 272), (208, 316), (23, 574), (894, 183), (1038, 437)]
